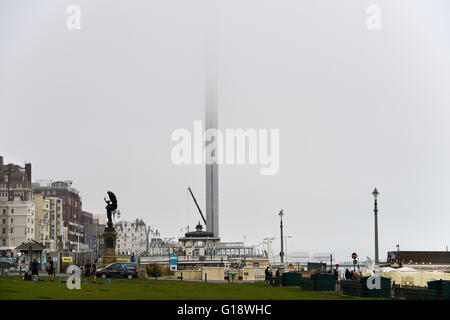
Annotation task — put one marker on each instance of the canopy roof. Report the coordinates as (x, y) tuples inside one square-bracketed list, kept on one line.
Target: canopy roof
[(35, 246)]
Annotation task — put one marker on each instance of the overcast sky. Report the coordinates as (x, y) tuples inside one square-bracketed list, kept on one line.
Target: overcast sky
[(356, 108)]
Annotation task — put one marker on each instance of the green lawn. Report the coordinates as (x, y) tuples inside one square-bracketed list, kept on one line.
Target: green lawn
[(14, 288)]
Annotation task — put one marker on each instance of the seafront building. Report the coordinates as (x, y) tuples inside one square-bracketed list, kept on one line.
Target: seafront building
[(17, 209), (71, 209), (131, 237)]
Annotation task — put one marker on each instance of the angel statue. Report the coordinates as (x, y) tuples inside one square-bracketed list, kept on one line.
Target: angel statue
[(111, 208)]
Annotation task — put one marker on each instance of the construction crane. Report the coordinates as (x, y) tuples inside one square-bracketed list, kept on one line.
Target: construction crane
[(198, 207)]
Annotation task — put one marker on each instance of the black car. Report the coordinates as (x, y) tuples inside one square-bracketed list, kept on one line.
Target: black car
[(119, 270)]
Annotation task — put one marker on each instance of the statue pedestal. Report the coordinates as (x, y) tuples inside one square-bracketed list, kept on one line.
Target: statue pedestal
[(109, 255)]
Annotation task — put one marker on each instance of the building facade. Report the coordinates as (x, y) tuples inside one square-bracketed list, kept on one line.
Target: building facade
[(71, 208), (17, 210), (100, 218), (131, 237), (42, 222)]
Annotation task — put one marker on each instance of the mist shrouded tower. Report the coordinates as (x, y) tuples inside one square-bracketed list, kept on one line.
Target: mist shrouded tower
[(211, 122)]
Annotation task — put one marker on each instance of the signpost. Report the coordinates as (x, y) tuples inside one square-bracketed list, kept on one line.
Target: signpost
[(67, 259), (173, 262), (354, 256)]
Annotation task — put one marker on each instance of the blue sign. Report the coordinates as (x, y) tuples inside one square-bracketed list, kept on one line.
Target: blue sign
[(94, 242), (173, 260)]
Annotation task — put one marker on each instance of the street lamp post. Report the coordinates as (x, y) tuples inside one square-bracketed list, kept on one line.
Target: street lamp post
[(375, 194), (281, 237)]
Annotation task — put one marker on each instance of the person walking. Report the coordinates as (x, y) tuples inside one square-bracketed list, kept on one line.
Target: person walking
[(34, 269), (51, 269), (336, 276), (87, 270), (94, 270), (267, 275)]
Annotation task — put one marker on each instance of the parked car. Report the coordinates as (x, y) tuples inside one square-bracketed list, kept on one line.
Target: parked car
[(119, 270)]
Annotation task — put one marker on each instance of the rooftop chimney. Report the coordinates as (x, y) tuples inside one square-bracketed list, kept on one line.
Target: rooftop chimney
[(28, 171)]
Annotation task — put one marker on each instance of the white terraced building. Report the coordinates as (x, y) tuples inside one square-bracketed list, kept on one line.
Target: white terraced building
[(131, 237), (17, 210)]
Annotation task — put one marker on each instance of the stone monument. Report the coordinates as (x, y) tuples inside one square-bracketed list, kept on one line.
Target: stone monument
[(110, 234)]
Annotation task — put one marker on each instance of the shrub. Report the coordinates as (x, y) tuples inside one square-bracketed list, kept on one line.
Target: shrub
[(154, 270)]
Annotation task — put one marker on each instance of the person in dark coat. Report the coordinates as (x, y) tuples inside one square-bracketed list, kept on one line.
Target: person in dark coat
[(87, 270), (267, 274), (336, 275), (34, 269), (348, 275), (51, 269)]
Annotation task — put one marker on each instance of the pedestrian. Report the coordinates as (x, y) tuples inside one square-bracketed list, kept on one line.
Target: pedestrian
[(267, 275), (348, 275), (27, 276), (94, 270), (51, 269), (34, 269), (87, 270), (336, 276)]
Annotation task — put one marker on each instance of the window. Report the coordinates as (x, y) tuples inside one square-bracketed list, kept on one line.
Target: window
[(3, 230), (3, 221), (12, 220), (12, 230), (6, 179), (4, 211), (12, 211), (3, 242)]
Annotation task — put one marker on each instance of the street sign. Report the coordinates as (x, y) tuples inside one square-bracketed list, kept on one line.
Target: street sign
[(67, 259), (354, 255), (173, 262), (354, 261)]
